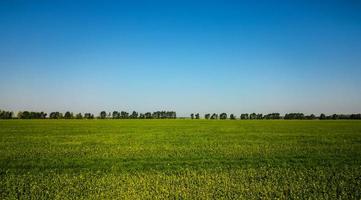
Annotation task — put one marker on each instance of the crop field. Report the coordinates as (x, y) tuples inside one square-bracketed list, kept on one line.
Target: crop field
[(180, 159)]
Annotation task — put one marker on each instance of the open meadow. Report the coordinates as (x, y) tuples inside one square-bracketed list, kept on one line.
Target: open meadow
[(180, 159)]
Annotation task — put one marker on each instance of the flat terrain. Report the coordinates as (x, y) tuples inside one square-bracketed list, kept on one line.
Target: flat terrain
[(182, 159)]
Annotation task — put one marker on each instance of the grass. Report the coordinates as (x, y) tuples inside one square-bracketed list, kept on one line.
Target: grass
[(180, 159)]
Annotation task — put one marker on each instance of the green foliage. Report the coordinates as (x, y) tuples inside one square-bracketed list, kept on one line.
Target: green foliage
[(6, 114), (180, 159), (31, 115), (56, 115), (103, 115), (214, 116), (68, 115), (79, 116), (88, 116), (197, 116), (223, 116), (244, 116)]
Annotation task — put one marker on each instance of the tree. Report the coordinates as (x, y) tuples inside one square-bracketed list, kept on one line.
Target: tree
[(207, 116), (197, 116), (232, 117), (322, 116), (223, 116), (6, 114), (134, 115), (214, 116), (148, 115), (31, 115), (272, 116), (294, 116), (124, 115), (56, 115), (253, 116), (116, 115), (103, 115), (355, 116), (192, 116), (79, 116), (259, 116), (310, 117), (68, 115), (244, 116), (88, 116)]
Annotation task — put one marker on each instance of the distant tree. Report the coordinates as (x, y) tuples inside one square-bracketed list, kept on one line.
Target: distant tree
[(355, 116), (322, 116), (192, 116), (207, 116), (156, 115), (6, 114), (88, 116), (103, 115), (124, 115), (115, 115), (20, 115), (232, 117), (79, 116), (169, 114), (134, 115), (244, 116), (253, 116), (294, 116), (141, 116), (310, 117), (31, 115), (25, 115), (197, 116), (272, 116), (148, 115), (335, 116), (223, 116), (68, 115), (56, 115), (259, 116), (214, 116), (172, 114)]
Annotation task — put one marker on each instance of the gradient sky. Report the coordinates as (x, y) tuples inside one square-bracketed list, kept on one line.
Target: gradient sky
[(187, 56)]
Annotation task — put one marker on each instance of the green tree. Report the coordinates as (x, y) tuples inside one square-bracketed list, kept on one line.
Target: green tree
[(68, 115), (103, 115), (134, 115), (116, 115), (223, 116), (214, 116), (79, 116), (88, 116)]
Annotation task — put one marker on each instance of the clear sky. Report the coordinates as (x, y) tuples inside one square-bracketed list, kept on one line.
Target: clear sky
[(187, 56)]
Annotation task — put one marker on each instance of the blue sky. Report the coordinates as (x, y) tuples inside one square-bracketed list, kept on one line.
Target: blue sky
[(187, 56)]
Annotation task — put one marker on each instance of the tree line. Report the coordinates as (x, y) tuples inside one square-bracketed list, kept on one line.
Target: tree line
[(170, 115), (102, 115), (288, 116)]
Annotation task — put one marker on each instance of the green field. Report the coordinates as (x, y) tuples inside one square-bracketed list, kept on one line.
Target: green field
[(180, 159)]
